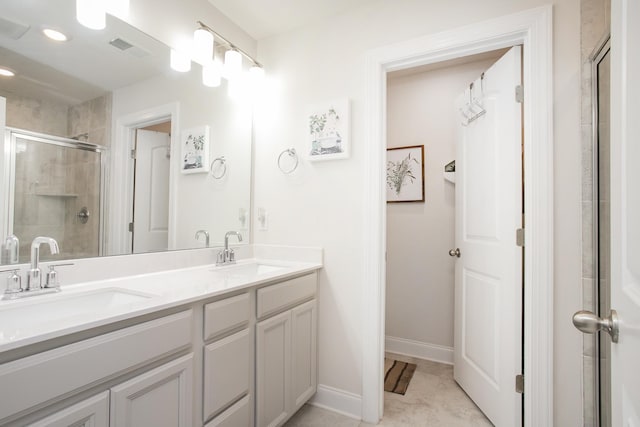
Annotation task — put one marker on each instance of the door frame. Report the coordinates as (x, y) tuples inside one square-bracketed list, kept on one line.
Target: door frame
[(532, 29), (121, 194)]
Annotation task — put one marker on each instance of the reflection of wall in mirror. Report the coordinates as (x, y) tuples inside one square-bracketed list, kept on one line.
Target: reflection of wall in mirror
[(87, 121), (202, 202)]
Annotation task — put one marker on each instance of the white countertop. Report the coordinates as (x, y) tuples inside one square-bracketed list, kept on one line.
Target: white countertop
[(88, 305)]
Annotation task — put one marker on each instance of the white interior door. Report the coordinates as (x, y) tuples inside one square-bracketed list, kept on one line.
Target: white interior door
[(151, 197), (488, 283), (625, 210)]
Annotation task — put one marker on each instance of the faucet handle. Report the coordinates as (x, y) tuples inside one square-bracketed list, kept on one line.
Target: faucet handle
[(221, 258), (14, 284), (52, 276), (232, 256)]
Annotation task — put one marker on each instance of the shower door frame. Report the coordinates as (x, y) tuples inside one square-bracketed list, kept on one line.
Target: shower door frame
[(8, 175), (603, 48)]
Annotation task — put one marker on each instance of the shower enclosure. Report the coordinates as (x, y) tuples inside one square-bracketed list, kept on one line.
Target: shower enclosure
[(55, 188), (602, 226)]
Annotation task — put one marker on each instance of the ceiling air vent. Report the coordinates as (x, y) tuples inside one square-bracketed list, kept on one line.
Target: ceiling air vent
[(120, 44), (125, 46), (12, 30)]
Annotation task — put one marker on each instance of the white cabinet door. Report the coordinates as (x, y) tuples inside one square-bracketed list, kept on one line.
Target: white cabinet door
[(161, 397), (273, 370), (92, 412), (226, 371), (304, 353)]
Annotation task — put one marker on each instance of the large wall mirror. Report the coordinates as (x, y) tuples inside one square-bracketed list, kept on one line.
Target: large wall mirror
[(98, 147)]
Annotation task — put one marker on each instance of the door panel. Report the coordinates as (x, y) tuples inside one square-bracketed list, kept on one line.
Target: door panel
[(151, 199), (488, 288), (625, 210)]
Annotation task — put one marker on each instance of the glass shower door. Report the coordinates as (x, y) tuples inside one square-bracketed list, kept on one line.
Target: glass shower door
[(56, 192)]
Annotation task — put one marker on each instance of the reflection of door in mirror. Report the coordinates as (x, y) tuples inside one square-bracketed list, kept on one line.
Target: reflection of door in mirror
[(151, 189), (54, 190)]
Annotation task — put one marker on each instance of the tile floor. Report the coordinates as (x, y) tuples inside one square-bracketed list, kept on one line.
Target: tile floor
[(433, 399)]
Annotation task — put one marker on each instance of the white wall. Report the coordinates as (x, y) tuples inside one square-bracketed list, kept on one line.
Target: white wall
[(202, 202), (420, 272), (322, 203)]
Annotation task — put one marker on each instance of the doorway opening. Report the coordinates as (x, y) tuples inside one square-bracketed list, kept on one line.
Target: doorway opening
[(144, 143), (428, 107), (150, 210), (531, 29)]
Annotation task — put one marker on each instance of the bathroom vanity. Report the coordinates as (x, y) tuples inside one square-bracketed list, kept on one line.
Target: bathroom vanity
[(200, 346)]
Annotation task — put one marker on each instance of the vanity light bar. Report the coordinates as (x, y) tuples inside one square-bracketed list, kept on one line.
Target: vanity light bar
[(225, 42)]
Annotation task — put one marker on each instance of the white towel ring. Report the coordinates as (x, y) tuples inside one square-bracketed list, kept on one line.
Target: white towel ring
[(291, 152), (222, 167)]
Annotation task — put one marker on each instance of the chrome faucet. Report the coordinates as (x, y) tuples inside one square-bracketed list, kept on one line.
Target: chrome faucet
[(206, 236), (227, 256), (34, 276)]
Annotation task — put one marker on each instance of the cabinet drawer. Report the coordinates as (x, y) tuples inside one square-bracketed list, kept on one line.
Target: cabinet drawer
[(239, 415), (87, 362), (225, 315), (93, 411), (272, 299), (226, 371)]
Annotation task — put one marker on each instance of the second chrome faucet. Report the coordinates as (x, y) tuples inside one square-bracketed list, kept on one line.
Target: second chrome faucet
[(227, 256)]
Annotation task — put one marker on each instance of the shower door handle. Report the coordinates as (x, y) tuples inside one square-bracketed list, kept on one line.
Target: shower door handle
[(589, 323), (83, 215)]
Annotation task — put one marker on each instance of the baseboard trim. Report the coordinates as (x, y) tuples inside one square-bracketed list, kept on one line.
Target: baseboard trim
[(340, 401), (421, 350)]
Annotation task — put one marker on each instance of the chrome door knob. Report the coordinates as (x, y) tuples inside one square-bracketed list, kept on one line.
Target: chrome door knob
[(455, 252), (589, 323)]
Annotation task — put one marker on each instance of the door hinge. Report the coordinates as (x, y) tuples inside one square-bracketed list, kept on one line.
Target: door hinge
[(519, 94), (520, 237), (520, 384), (131, 227), (133, 154)]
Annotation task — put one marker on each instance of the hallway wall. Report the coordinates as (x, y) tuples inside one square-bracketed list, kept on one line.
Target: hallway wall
[(420, 272)]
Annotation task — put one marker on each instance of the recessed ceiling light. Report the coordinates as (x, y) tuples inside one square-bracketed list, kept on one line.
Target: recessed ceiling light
[(5, 72), (55, 35)]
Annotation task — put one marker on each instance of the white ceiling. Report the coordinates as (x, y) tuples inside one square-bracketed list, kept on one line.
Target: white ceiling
[(265, 18)]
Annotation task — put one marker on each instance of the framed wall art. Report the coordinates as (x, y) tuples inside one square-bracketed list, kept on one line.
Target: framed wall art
[(328, 130), (195, 150), (405, 174)]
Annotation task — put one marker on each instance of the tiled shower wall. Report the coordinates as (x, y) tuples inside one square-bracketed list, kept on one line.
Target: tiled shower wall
[(595, 19), (77, 173)]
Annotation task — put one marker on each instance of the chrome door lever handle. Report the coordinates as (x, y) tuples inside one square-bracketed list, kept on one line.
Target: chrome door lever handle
[(455, 252), (589, 323)]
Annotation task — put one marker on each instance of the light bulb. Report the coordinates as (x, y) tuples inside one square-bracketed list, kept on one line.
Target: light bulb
[(256, 73), (5, 72), (118, 8), (202, 46), (180, 61), (91, 13), (55, 35), (232, 64), (211, 74)]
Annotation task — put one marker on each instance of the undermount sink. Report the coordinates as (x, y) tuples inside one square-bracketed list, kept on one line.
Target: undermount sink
[(35, 311), (250, 269)]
